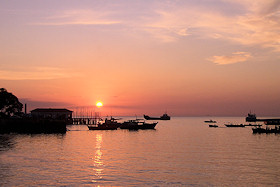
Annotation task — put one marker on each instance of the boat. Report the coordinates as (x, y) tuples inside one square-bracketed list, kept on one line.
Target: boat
[(251, 117), (163, 117), (234, 125), (109, 124), (266, 130), (213, 125), (137, 124), (210, 121), (270, 121), (252, 125)]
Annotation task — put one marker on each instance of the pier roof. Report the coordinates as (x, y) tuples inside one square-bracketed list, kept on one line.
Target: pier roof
[(51, 110)]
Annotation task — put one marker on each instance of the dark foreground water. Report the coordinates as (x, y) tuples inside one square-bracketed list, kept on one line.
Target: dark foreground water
[(183, 151)]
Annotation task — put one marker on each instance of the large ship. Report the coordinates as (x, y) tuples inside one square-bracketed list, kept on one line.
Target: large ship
[(251, 117), (163, 117)]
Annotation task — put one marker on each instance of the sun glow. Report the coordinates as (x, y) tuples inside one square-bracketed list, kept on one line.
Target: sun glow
[(99, 104)]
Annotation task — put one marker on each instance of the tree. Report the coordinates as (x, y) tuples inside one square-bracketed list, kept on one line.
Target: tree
[(9, 104)]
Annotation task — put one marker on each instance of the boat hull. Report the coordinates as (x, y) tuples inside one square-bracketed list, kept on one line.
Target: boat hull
[(213, 125), (101, 127), (210, 121), (232, 125), (260, 130), (109, 124), (157, 118), (137, 126)]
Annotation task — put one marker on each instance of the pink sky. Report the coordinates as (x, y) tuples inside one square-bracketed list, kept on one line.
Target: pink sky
[(189, 58)]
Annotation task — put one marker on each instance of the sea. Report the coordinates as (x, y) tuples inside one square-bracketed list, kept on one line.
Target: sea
[(184, 151)]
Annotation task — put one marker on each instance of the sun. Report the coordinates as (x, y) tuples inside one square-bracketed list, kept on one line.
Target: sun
[(99, 104)]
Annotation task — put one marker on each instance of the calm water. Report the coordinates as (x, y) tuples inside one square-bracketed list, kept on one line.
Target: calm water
[(183, 151)]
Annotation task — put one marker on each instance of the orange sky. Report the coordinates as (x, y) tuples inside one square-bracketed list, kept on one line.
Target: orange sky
[(189, 58)]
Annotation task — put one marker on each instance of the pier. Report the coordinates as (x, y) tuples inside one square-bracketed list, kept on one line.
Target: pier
[(85, 120), (85, 116)]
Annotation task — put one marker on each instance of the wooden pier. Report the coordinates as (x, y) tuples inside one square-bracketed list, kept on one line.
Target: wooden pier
[(85, 120)]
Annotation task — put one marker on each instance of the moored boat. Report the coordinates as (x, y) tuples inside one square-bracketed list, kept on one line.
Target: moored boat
[(252, 125), (109, 124), (234, 125), (213, 125), (210, 121), (137, 124), (266, 130)]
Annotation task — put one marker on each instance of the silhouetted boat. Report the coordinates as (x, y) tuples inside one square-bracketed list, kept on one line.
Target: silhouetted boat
[(213, 125), (266, 130), (109, 124), (251, 117), (234, 125), (269, 121), (252, 125), (137, 124), (163, 117), (210, 121)]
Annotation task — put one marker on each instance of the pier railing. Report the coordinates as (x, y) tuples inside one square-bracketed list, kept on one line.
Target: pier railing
[(85, 120)]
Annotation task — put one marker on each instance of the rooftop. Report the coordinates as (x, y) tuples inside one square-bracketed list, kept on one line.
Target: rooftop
[(51, 110)]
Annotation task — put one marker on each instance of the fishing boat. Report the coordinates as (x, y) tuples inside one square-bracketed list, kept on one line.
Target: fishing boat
[(163, 117), (213, 125), (210, 121), (252, 125), (109, 124), (234, 125), (266, 130), (137, 124)]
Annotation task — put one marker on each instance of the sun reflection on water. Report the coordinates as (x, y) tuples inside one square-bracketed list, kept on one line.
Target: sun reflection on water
[(98, 163)]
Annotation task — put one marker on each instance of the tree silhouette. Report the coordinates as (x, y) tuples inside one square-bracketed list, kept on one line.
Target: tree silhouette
[(9, 104)]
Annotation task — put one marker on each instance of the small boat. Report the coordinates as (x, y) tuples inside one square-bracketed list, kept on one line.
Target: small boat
[(109, 124), (163, 117), (234, 125), (137, 124), (252, 125), (266, 130), (213, 125), (210, 121)]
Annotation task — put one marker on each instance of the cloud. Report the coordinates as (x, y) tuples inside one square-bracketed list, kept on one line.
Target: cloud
[(248, 23), (245, 22), (231, 59), (166, 26), (36, 73), (78, 23), (78, 17)]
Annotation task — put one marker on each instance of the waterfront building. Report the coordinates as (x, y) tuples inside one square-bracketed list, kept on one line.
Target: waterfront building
[(52, 113)]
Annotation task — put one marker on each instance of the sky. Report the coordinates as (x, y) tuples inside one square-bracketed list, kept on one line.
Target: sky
[(183, 57)]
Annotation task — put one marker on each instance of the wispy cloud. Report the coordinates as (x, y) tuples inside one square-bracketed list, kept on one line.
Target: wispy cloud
[(78, 23), (78, 17), (166, 26), (252, 23), (231, 59), (36, 73), (255, 23)]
